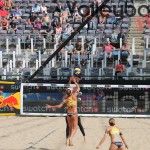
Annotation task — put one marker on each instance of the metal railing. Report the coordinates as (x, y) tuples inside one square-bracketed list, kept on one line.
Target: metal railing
[(22, 78)]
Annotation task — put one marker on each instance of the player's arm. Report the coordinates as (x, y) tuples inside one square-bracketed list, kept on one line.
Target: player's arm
[(121, 135), (77, 86), (57, 106), (69, 82), (103, 139)]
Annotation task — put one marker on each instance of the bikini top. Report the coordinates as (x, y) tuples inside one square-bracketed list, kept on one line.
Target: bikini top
[(114, 131), (71, 102)]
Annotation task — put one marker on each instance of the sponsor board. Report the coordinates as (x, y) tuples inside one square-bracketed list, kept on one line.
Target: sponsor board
[(9, 99)]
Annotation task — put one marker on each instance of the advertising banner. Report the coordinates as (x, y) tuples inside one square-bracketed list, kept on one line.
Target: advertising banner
[(92, 99), (9, 98)]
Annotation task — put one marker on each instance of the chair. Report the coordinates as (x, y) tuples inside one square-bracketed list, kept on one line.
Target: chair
[(125, 26), (83, 32), (6, 58), (94, 73), (108, 73), (25, 16), (91, 32), (28, 27), (65, 72), (53, 72), (19, 32), (108, 31)]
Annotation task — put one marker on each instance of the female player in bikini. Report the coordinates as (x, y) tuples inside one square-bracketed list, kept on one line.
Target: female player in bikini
[(72, 115), (115, 135), (79, 119)]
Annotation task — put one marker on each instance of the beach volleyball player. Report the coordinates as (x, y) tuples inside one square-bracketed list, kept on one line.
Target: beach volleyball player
[(79, 119), (116, 136), (72, 115)]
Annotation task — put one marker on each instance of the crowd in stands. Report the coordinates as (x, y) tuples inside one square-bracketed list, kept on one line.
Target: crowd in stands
[(57, 20)]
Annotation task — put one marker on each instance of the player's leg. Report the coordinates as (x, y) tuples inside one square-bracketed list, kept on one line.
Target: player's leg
[(74, 121), (81, 127)]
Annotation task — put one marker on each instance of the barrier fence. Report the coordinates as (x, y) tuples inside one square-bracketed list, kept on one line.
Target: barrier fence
[(94, 100), (122, 100)]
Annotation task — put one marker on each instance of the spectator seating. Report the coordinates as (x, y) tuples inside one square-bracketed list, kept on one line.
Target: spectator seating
[(31, 52)]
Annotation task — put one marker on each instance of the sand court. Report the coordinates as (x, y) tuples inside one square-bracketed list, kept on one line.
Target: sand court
[(48, 133)]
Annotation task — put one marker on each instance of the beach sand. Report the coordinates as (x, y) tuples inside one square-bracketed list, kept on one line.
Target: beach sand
[(48, 133)]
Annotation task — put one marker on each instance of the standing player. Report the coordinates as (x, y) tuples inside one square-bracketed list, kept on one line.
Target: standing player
[(79, 119), (72, 115), (115, 135), (80, 127)]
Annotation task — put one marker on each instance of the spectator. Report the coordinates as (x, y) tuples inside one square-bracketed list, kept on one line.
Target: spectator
[(111, 20), (5, 24), (8, 4), (59, 8), (58, 31), (67, 32), (62, 50), (1, 3), (125, 50), (93, 23), (17, 13), (32, 18), (3, 12), (119, 68), (72, 6), (100, 96), (12, 27), (38, 24), (38, 39), (69, 47), (28, 21), (36, 8), (103, 16), (78, 47), (63, 25), (76, 14), (46, 19), (33, 36), (11, 15), (114, 39), (48, 33), (108, 48), (122, 35), (64, 15), (43, 8), (0, 25), (54, 22)]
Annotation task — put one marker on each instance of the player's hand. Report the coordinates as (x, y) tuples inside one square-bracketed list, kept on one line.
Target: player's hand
[(127, 146), (97, 147), (48, 106), (77, 79), (71, 78)]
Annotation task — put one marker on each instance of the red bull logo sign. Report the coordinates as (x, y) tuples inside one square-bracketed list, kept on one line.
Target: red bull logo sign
[(11, 101)]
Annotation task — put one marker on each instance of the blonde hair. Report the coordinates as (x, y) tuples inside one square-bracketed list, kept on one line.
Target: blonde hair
[(112, 121)]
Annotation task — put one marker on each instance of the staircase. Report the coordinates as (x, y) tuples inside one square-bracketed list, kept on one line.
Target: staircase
[(136, 32)]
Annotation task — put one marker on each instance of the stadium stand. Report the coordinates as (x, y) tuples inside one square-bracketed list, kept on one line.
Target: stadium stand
[(31, 30)]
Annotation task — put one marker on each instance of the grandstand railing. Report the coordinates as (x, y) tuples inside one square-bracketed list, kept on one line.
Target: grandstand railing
[(22, 78)]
